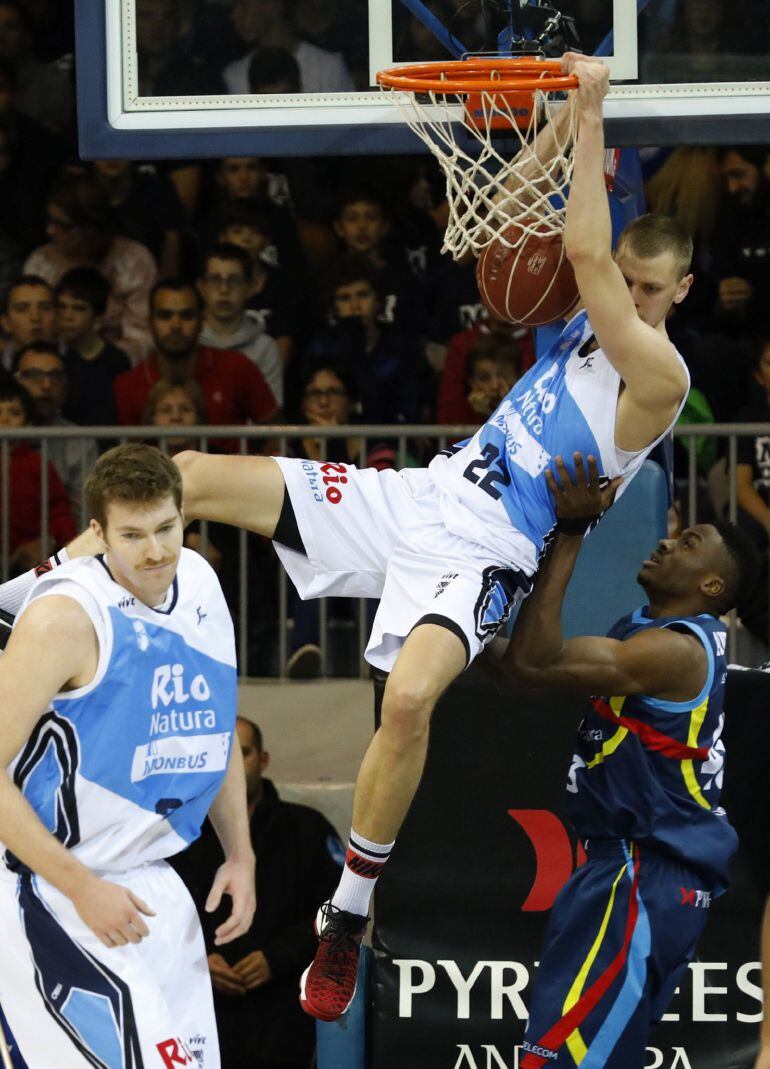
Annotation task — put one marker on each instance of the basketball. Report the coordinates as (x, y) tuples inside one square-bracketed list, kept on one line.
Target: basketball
[(532, 284)]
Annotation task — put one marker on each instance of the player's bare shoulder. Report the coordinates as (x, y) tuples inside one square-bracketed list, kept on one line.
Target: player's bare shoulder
[(58, 631)]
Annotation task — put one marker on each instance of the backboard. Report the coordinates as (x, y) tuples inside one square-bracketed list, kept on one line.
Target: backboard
[(196, 78)]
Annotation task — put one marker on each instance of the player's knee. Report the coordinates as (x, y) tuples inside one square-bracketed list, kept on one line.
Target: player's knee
[(406, 713)]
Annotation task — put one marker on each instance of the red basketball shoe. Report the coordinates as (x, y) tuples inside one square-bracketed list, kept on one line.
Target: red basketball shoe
[(328, 984)]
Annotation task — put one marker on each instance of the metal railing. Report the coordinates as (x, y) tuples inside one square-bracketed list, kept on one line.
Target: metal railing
[(249, 439)]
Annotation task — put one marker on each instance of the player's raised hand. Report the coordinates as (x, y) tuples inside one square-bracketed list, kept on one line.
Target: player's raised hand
[(593, 76), (583, 498), (236, 879), (113, 913)]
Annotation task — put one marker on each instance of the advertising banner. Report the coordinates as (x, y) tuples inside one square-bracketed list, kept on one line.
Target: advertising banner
[(462, 905)]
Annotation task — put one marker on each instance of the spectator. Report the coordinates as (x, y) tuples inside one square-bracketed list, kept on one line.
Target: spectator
[(269, 24), (177, 403), (25, 506), (741, 248), (272, 71), (182, 404), (390, 370), (41, 370), (224, 285), (30, 315), (362, 226), (255, 978), (40, 155), (81, 228), (147, 209), (328, 398), (235, 390), (493, 337), (245, 182), (273, 298), (44, 92), (170, 63), (23, 189), (337, 26), (92, 363), (753, 488), (493, 368), (453, 300)]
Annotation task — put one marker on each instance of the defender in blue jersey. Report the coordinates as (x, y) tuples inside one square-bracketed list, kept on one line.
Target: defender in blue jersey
[(643, 787), (117, 714), (451, 549)]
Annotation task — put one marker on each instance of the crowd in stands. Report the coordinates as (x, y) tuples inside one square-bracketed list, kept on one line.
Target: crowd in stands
[(313, 292), (309, 291)]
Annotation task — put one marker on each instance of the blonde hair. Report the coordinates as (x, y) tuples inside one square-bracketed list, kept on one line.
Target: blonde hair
[(687, 188), (652, 235), (163, 387)]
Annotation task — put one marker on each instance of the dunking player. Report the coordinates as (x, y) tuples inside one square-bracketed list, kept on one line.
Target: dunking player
[(451, 548), (644, 784), (117, 713)]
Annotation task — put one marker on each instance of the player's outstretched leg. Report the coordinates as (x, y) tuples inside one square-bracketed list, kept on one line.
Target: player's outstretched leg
[(245, 491), (430, 659)]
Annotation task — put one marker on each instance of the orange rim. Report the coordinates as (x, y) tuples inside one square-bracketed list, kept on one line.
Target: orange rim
[(478, 75)]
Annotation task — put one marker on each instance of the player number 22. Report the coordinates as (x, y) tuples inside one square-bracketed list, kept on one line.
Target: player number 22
[(489, 455)]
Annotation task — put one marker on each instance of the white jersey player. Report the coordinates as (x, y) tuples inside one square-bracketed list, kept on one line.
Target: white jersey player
[(118, 690), (451, 548)]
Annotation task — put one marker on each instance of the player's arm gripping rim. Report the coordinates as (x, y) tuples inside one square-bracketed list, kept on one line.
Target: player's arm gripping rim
[(643, 356), (54, 648), (235, 877), (661, 663)]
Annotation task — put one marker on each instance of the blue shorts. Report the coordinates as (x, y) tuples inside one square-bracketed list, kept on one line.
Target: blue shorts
[(621, 933)]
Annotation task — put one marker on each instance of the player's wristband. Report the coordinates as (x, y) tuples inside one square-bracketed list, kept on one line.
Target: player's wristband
[(574, 525)]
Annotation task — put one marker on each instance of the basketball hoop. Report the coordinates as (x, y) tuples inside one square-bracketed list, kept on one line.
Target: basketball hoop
[(488, 97)]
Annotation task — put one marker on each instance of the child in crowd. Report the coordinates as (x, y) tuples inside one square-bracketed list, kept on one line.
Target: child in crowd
[(224, 285), (92, 363), (362, 226), (392, 376), (272, 296), (29, 315)]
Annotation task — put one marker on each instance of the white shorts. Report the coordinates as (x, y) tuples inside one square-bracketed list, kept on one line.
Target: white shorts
[(72, 1003), (380, 535)]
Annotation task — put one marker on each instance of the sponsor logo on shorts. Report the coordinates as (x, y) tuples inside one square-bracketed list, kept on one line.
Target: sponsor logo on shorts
[(324, 480), (333, 475), (312, 476), (540, 1052), (444, 582), (693, 896), (174, 1052)]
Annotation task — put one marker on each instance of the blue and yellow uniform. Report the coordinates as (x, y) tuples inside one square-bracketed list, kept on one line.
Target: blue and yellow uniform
[(643, 793)]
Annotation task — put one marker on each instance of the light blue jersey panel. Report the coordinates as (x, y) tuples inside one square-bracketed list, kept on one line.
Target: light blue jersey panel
[(493, 487), (124, 770), (157, 730)]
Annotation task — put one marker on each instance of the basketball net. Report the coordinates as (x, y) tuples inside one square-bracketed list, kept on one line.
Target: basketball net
[(489, 185)]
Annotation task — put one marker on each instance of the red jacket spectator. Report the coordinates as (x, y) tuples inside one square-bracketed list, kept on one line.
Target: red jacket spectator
[(234, 388), (452, 405), (24, 501)]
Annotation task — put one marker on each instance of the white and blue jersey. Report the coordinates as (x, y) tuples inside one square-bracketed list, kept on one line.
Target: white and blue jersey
[(123, 770), (493, 488)]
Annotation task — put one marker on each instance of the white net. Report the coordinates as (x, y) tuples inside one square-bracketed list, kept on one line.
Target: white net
[(486, 190)]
